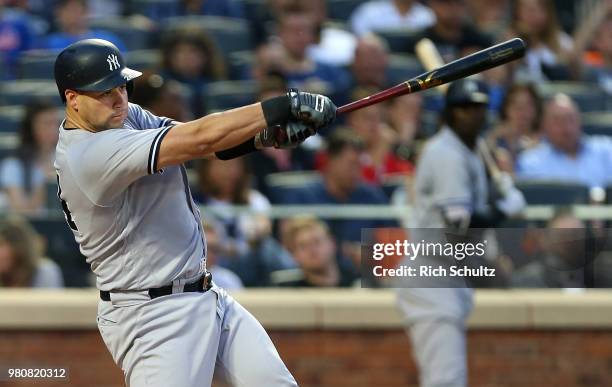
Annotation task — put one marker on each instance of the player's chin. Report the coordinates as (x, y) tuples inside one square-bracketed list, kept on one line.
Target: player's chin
[(116, 121)]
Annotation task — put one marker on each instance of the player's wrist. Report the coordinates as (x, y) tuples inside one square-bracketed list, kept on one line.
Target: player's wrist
[(277, 110), (239, 150)]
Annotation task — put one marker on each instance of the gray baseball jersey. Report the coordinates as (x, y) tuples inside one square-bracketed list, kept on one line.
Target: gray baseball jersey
[(449, 175), (137, 226)]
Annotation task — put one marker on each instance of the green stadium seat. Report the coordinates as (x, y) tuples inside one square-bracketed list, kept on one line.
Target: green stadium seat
[(10, 118), (223, 95), (229, 34), (559, 193)]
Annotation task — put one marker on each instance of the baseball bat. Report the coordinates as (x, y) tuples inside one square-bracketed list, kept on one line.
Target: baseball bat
[(463, 67), (430, 57)]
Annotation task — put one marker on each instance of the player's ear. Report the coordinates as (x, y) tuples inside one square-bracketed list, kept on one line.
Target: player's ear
[(71, 99)]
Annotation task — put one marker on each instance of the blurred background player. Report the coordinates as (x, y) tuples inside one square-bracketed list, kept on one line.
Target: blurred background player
[(451, 192)]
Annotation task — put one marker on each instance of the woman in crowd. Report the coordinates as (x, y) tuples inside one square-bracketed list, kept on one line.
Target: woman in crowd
[(191, 57), (23, 177), (518, 127), (549, 49), (21, 263)]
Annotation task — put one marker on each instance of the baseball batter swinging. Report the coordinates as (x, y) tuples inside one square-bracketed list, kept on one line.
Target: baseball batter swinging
[(126, 198)]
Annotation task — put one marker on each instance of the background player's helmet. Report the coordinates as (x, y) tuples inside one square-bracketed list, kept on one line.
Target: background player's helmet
[(92, 65), (467, 92)]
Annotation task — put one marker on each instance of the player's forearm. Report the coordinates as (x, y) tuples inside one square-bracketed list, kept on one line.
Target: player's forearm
[(224, 130)]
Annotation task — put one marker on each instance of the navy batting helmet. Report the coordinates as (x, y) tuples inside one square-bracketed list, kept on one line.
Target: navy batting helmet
[(467, 92), (92, 65)]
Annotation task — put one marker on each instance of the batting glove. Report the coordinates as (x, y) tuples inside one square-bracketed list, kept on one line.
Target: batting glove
[(290, 136), (314, 109)]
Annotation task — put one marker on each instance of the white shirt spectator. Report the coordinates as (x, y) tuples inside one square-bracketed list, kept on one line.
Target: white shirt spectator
[(383, 15), (336, 48)]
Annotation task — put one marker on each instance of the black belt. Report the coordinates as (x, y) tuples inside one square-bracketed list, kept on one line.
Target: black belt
[(200, 286)]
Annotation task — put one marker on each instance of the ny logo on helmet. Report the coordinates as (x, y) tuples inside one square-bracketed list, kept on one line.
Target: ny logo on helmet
[(113, 62)]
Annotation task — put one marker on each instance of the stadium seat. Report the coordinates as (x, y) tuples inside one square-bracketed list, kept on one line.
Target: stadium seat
[(21, 92), (545, 192), (143, 59), (403, 67), (229, 34), (400, 40), (597, 123), (63, 249), (284, 184), (135, 34), (155, 9), (342, 9), (240, 63), (36, 64), (10, 118), (223, 95), (589, 98), (8, 144), (254, 7)]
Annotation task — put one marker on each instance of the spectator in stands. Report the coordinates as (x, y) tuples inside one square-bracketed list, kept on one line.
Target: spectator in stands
[(378, 163), (490, 16), (549, 49), (569, 258), (246, 243), (312, 246), (342, 184), (519, 125), (377, 15), (564, 152), (333, 45), (222, 184), (223, 277), (296, 32), (271, 160), (452, 33), (23, 177), (21, 263), (161, 96), (15, 37), (191, 57), (598, 63), (72, 23), (370, 63)]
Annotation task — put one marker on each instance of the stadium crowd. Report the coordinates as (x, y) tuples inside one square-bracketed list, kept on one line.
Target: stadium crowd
[(547, 119)]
